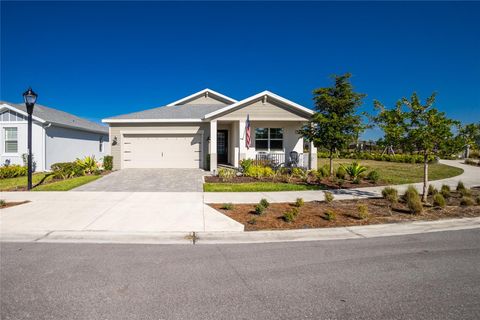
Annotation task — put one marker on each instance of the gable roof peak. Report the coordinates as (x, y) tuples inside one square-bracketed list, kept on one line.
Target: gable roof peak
[(206, 91)]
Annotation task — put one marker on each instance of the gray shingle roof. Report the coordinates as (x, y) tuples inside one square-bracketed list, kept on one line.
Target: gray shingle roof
[(186, 111), (61, 118)]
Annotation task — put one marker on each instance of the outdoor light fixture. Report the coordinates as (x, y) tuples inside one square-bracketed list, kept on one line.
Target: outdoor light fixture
[(30, 99)]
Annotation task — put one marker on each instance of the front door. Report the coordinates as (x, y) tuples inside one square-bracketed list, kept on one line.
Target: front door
[(222, 146)]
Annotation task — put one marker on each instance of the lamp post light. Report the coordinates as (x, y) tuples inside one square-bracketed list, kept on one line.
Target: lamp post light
[(30, 98)]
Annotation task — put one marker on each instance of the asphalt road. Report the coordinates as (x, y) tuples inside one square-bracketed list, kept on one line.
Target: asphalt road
[(428, 276)]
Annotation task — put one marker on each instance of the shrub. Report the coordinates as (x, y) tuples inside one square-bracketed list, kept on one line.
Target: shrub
[(471, 162), (466, 192), (3, 203), (290, 215), (330, 215), (12, 171), (362, 209), (373, 176), (246, 163), (87, 164), (299, 173), (299, 202), (226, 174), (328, 196), (66, 170), (259, 209), (357, 180), (445, 191), (264, 202), (432, 190), (467, 201), (108, 163), (478, 200), (323, 172), (227, 206), (340, 183), (259, 171), (341, 173), (412, 198), (354, 170), (252, 221), (460, 186), (390, 194), (439, 200)]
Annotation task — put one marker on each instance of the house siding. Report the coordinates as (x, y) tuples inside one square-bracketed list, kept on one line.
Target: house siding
[(117, 130), (258, 110), (64, 144), (203, 100)]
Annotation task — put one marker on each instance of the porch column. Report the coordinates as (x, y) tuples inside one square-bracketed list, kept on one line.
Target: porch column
[(242, 148), (236, 144), (213, 146), (312, 156)]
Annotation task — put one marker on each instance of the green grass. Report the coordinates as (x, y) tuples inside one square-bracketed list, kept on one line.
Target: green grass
[(401, 173), (66, 185), (12, 184), (256, 187)]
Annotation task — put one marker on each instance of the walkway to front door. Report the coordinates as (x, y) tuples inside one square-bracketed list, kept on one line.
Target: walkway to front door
[(149, 180)]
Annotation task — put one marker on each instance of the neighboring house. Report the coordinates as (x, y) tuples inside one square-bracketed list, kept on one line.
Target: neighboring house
[(206, 129), (57, 136)]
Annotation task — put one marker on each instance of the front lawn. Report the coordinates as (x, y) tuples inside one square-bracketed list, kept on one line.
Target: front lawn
[(47, 183), (257, 187), (68, 184), (400, 173)]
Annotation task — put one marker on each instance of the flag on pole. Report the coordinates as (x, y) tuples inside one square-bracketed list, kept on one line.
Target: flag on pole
[(247, 132)]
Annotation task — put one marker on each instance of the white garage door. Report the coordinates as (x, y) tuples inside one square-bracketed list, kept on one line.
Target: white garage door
[(161, 151)]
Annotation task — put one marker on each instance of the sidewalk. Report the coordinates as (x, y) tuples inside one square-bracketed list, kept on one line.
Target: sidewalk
[(470, 177)]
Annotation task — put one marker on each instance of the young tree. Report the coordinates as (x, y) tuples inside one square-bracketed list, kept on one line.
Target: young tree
[(470, 136), (428, 131), (392, 123), (335, 122)]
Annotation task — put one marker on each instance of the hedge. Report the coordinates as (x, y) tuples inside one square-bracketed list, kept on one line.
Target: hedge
[(405, 158), (12, 171)]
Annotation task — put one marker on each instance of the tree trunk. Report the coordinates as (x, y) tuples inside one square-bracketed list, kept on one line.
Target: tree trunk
[(425, 178), (331, 164)]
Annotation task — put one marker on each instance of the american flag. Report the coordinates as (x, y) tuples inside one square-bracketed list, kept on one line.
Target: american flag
[(247, 132)]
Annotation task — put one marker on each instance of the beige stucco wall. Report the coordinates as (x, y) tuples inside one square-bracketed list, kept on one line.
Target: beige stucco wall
[(117, 130)]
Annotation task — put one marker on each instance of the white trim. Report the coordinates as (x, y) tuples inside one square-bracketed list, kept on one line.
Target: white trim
[(149, 120), (9, 107), (257, 96), (163, 131), (208, 91)]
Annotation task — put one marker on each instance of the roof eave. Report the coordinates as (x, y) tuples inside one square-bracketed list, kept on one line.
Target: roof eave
[(149, 120)]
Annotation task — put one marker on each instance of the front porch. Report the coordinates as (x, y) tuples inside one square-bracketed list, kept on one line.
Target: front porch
[(271, 141)]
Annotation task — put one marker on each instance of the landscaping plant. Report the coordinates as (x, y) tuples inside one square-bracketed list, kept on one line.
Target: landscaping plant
[(413, 201), (66, 170), (12, 171), (354, 170), (478, 200), (467, 201), (373, 176), (3, 203), (330, 215), (227, 206), (432, 190), (226, 174), (439, 200), (259, 209), (460, 186), (108, 163), (328, 196), (445, 191), (264, 202), (299, 202), (87, 164), (390, 194), (341, 173), (290, 215), (362, 210)]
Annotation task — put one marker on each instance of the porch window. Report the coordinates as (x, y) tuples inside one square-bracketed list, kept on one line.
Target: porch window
[(11, 140), (269, 139)]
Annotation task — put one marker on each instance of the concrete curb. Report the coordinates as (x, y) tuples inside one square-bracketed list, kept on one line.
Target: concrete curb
[(341, 233)]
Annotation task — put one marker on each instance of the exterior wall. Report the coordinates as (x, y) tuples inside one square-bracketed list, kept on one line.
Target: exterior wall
[(292, 141), (64, 144), (263, 111), (38, 142), (118, 129)]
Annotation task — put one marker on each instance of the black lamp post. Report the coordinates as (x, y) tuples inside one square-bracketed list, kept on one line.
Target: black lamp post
[(30, 98)]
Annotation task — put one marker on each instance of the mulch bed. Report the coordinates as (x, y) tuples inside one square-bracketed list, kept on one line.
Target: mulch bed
[(326, 183), (12, 204), (312, 214)]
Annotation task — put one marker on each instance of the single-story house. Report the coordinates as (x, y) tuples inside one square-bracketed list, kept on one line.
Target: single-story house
[(57, 136), (207, 129)]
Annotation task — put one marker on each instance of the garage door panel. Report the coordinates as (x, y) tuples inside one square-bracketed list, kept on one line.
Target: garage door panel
[(162, 151)]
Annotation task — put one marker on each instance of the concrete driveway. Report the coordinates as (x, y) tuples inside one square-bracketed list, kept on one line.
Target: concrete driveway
[(149, 180)]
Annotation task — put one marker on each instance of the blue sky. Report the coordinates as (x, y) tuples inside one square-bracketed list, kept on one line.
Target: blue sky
[(99, 59)]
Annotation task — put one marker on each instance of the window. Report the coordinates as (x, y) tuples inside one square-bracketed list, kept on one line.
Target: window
[(269, 139), (11, 140), (100, 145)]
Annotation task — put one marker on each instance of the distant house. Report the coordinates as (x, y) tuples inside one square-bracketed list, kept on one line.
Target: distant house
[(207, 129), (57, 136)]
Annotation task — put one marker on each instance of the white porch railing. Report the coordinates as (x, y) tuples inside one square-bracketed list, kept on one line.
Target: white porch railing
[(274, 159)]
